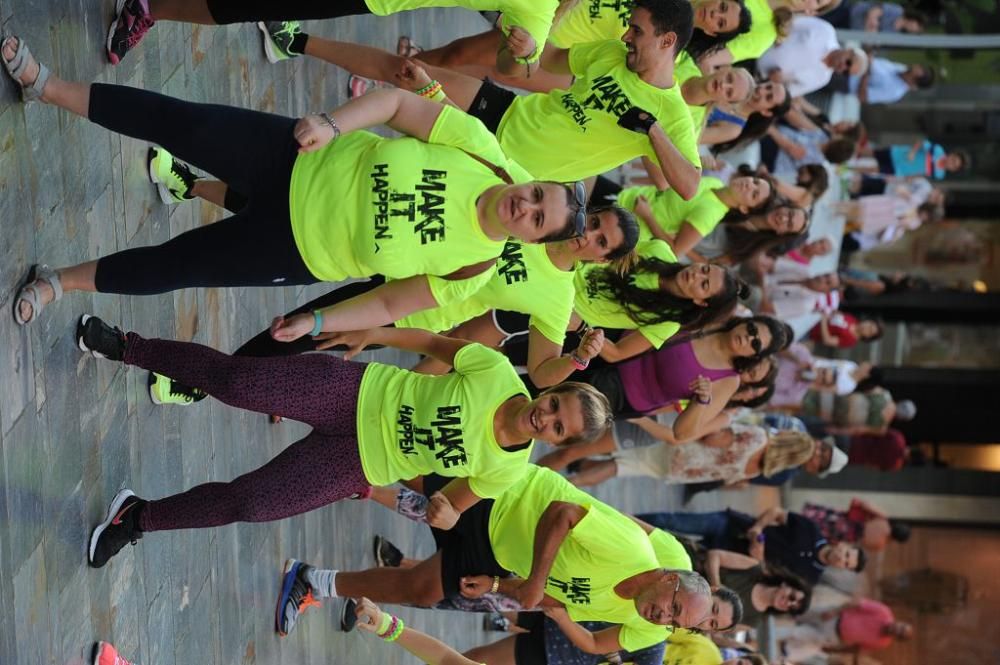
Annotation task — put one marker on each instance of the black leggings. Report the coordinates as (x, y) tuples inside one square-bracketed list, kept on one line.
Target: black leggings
[(264, 346), (225, 12), (250, 151)]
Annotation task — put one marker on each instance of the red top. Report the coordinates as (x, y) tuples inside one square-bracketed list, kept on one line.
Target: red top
[(863, 625), (840, 327), (882, 451)]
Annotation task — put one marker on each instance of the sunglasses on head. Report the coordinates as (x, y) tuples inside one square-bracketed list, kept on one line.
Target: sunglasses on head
[(755, 342), (580, 194)]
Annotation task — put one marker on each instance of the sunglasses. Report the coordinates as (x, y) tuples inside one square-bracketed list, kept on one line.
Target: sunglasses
[(580, 194), (755, 342)]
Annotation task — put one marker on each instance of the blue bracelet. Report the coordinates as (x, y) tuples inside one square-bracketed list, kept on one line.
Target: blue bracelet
[(318, 326)]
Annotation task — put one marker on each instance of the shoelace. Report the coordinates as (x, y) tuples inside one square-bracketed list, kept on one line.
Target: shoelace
[(308, 601), (138, 30)]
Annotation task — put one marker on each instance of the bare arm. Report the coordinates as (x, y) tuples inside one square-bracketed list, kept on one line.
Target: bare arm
[(716, 560), (829, 338), (546, 364), (687, 237), (692, 420), (427, 649), (655, 174), (681, 174), (555, 60), (407, 339), (518, 45), (719, 132), (794, 150), (770, 517), (628, 345), (563, 456)]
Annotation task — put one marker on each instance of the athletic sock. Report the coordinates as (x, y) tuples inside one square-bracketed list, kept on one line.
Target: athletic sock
[(323, 582), (298, 44)]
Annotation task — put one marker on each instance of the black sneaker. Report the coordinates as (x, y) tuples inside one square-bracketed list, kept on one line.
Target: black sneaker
[(97, 338), (496, 622), (118, 529), (348, 617), (387, 555), (295, 597)]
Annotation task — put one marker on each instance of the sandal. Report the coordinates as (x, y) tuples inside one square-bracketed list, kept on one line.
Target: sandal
[(18, 64), (30, 292), (406, 48)]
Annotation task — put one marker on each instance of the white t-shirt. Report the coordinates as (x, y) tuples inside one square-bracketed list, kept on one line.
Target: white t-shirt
[(800, 56)]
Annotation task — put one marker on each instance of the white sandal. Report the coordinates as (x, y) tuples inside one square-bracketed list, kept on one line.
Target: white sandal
[(18, 64), (30, 292)]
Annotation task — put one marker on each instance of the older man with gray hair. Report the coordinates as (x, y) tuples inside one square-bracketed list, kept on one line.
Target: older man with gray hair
[(807, 59)]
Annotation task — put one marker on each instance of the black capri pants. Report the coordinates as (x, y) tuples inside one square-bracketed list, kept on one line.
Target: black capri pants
[(225, 12), (250, 151)]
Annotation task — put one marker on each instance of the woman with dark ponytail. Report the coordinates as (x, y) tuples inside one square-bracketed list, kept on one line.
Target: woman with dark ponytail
[(656, 298)]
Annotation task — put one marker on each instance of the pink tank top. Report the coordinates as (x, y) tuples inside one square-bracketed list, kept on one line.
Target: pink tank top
[(662, 377)]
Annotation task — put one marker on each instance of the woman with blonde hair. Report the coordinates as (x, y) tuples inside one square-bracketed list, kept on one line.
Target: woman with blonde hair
[(737, 453)]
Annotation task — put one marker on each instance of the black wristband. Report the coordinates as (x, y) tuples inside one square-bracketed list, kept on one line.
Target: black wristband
[(637, 120)]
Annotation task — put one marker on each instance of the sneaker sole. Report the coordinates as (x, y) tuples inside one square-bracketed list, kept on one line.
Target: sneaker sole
[(269, 51), (287, 580), (376, 542), (150, 383), (95, 535), (79, 338), (111, 32)]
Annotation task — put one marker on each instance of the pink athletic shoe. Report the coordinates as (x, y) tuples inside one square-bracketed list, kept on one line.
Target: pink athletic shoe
[(132, 22), (107, 654)]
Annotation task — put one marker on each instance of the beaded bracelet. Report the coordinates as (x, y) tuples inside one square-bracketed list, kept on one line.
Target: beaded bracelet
[(438, 96), (579, 362), (430, 90), (318, 325), (383, 627), (496, 584), (397, 631), (393, 623)]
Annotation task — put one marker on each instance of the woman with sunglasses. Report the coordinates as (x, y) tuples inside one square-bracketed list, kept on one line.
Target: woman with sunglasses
[(703, 369), (682, 224), (763, 594), (319, 206), (727, 122)]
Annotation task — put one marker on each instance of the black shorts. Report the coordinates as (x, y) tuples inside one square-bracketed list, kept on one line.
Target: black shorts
[(870, 184), (490, 103), (884, 158), (529, 648), (465, 548), (225, 12), (511, 324)]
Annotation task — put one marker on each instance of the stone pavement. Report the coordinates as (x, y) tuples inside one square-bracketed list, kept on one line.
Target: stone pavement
[(72, 429)]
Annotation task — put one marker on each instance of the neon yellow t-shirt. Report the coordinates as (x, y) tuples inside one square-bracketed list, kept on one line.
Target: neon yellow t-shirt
[(569, 135), (591, 21), (413, 424), (704, 211), (366, 205), (524, 280), (688, 648), (600, 311), (685, 68), (602, 550), (669, 551), (534, 16), (762, 35)]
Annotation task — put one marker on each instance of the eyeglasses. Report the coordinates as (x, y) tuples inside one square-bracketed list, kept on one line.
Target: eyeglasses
[(674, 623), (580, 193), (755, 342)]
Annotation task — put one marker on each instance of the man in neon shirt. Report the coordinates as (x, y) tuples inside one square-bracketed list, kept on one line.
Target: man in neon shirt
[(565, 548), (623, 104)]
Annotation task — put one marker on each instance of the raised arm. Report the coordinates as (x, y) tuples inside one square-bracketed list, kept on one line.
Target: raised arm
[(692, 421), (716, 560), (555, 60), (628, 345), (381, 306), (427, 649), (602, 642), (403, 111), (515, 48), (407, 339), (685, 240), (547, 366), (681, 174)]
